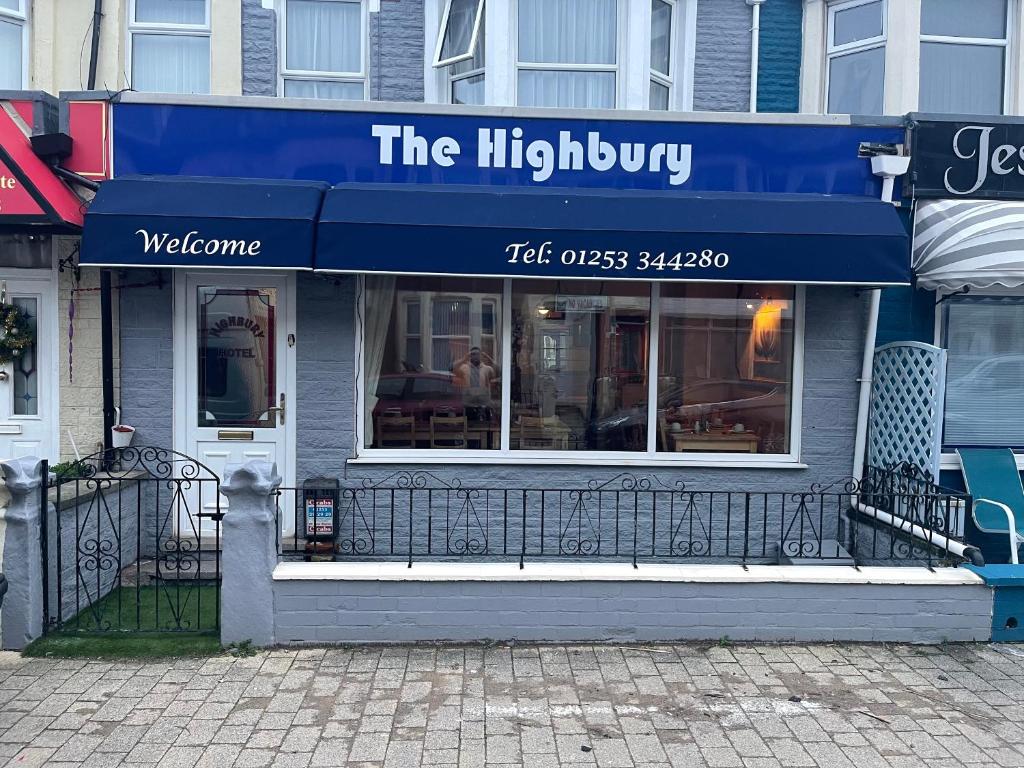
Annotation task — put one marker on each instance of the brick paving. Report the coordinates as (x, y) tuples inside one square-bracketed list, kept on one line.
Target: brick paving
[(756, 706)]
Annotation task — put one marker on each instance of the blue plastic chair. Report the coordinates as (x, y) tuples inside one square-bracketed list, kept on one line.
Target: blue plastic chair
[(992, 478)]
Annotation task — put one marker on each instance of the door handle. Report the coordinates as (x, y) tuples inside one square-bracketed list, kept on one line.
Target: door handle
[(4, 376), (279, 410)]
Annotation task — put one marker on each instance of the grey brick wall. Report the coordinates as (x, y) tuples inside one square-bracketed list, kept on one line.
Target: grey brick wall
[(107, 521), (259, 50), (395, 55), (396, 51), (147, 376), (393, 612), (326, 393), (325, 348), (721, 75)]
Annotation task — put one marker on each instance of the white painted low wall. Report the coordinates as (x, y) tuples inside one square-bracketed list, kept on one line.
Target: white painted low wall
[(389, 602)]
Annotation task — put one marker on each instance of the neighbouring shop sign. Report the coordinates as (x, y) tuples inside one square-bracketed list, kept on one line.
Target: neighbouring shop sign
[(15, 199), (968, 159), (501, 150)]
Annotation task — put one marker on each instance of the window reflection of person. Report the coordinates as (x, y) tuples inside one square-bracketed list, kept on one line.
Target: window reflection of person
[(475, 374)]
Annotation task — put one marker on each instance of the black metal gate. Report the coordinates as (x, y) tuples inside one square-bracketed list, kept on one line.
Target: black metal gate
[(131, 543)]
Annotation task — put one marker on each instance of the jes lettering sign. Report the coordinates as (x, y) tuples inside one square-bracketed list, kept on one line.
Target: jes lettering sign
[(968, 160)]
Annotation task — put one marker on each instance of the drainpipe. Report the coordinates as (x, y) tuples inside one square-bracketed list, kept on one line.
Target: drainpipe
[(888, 167), (755, 45)]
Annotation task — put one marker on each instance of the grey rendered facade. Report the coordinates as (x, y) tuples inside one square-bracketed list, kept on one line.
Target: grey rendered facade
[(325, 346)]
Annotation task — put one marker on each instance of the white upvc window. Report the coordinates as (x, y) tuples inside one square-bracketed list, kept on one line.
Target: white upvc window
[(964, 56), (664, 21), (13, 44), (567, 53), (169, 45), (630, 54), (323, 49), (578, 372), (855, 57)]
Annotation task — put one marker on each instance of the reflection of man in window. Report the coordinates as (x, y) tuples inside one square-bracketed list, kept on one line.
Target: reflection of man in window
[(475, 376)]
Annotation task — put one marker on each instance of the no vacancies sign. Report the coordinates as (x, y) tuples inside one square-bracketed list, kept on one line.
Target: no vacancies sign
[(969, 159)]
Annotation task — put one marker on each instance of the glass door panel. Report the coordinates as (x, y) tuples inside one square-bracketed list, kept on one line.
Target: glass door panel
[(237, 383)]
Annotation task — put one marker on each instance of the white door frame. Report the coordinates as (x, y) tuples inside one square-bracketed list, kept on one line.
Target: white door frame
[(47, 344), (180, 418)]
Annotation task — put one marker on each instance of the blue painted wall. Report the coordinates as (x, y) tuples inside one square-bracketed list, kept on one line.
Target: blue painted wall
[(778, 61), (906, 314)]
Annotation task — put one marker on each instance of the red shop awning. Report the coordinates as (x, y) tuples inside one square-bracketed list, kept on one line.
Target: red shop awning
[(32, 197)]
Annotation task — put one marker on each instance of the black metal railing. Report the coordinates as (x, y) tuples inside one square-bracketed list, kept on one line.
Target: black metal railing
[(412, 516), (131, 543), (901, 513)]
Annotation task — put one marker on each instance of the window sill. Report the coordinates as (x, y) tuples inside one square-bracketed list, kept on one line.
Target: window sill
[(581, 460)]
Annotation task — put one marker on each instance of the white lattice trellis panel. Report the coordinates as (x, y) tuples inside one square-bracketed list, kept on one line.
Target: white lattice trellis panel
[(908, 388)]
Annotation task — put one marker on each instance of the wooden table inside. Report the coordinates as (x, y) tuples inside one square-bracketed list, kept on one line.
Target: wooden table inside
[(714, 441)]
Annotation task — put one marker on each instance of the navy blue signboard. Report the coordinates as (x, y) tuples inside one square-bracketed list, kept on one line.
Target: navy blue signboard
[(338, 146), (498, 194)]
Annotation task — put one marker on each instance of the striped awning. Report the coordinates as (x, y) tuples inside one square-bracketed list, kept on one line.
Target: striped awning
[(977, 243)]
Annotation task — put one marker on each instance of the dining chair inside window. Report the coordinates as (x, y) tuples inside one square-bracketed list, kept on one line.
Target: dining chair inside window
[(396, 431), (448, 432)]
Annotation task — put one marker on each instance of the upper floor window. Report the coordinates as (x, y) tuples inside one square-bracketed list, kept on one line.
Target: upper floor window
[(460, 48), (963, 56), (567, 53), (563, 53), (663, 24), (170, 45), (323, 44), (13, 44), (856, 57)]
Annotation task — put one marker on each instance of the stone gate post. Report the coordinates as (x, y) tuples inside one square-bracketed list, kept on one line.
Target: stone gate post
[(249, 553), (21, 547)]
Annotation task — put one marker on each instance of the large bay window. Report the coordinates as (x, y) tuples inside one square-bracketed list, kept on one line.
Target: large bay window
[(169, 43), (984, 371), (563, 53), (323, 49), (13, 44), (856, 57), (963, 56), (557, 368)]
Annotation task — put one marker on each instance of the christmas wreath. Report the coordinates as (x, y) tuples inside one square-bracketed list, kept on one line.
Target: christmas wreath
[(15, 333)]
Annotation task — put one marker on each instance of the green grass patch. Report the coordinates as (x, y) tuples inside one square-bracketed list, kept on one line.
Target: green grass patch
[(143, 622), (127, 646)]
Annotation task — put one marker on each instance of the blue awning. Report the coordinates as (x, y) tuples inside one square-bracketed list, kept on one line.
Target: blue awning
[(180, 221), (598, 234)]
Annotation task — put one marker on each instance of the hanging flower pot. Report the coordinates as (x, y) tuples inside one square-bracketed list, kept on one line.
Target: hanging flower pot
[(121, 435)]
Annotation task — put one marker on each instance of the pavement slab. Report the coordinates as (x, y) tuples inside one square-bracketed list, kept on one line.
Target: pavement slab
[(608, 706)]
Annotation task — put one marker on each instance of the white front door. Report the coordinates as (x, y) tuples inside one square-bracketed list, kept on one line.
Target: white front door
[(28, 399), (238, 354)]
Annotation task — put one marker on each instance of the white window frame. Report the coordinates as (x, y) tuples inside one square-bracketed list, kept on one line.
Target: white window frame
[(153, 28), (833, 51), (651, 457), (474, 38), (668, 80), (285, 74), (20, 17), (500, 37), (988, 42)]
